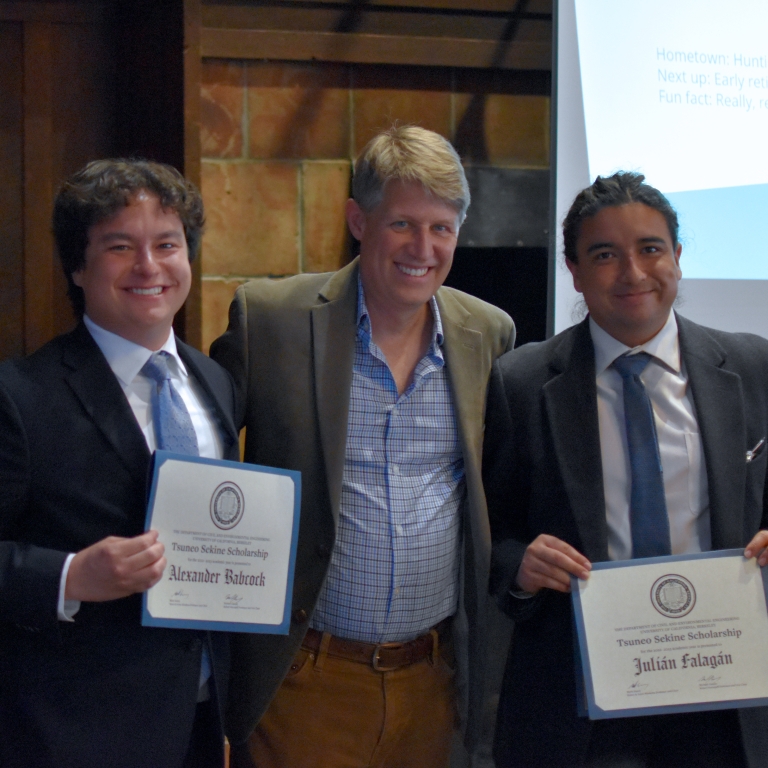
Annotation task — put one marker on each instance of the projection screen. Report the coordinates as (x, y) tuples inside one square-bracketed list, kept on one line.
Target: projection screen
[(678, 90)]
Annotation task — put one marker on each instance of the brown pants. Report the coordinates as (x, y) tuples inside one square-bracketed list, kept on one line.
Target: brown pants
[(336, 713)]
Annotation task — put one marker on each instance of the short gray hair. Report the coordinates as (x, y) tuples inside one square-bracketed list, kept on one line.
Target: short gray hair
[(409, 153)]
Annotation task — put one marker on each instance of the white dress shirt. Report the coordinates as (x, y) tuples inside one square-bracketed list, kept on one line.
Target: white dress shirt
[(682, 458), (126, 360)]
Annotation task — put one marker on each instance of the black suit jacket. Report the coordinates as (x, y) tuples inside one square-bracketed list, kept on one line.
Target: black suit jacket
[(543, 474), (74, 469)]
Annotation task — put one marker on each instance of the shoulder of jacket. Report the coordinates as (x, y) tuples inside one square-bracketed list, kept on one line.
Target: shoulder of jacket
[(275, 289), (478, 308)]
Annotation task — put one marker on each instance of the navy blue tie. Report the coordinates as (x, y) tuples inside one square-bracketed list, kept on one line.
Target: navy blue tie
[(173, 425), (648, 504)]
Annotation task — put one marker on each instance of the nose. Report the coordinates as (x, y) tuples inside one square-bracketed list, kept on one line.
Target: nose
[(145, 262), (421, 243), (631, 269)]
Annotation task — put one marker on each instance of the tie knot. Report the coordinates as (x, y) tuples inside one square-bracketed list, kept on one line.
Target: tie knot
[(631, 365), (156, 368)]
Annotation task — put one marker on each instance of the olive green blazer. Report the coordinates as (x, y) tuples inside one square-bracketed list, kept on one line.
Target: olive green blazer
[(290, 349)]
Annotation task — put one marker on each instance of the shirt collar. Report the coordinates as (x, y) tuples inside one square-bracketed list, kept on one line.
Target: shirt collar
[(664, 346), (126, 358), (364, 320)]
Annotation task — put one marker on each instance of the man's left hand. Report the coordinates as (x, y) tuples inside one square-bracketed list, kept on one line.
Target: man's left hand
[(758, 548)]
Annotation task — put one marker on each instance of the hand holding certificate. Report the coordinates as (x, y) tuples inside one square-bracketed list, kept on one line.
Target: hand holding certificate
[(673, 634), (230, 533)]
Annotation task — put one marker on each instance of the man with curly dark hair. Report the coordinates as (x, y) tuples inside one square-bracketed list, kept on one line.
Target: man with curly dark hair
[(83, 683)]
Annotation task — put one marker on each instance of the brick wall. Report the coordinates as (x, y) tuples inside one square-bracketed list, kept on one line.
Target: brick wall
[(278, 142)]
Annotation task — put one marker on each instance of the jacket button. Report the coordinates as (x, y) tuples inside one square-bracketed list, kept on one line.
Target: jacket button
[(299, 616), (323, 550)]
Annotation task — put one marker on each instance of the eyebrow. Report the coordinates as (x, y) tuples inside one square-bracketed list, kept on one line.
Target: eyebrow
[(110, 236), (114, 236), (450, 220), (608, 244), (599, 246)]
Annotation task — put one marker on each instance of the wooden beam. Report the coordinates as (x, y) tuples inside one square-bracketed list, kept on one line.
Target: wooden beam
[(11, 191), (193, 75), (372, 49), (67, 13), (38, 186), (473, 5), (149, 45)]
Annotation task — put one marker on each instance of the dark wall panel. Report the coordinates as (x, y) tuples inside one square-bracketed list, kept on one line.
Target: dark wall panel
[(57, 111), (82, 117), (149, 46), (514, 279), (11, 192)]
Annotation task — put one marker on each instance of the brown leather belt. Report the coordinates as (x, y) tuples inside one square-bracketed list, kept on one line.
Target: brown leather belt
[(383, 657)]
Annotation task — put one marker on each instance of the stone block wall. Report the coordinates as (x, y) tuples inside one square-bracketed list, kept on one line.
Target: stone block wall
[(278, 142)]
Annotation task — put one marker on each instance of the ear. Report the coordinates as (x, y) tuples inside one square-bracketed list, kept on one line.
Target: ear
[(678, 252), (356, 218), (77, 278), (573, 268)]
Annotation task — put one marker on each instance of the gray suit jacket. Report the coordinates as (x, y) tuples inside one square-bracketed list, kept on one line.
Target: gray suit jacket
[(290, 348), (543, 474)]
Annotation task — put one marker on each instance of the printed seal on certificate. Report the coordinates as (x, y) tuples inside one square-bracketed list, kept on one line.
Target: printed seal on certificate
[(227, 506), (673, 596)]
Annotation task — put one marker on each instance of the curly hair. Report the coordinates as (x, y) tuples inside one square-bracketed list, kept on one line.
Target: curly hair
[(103, 187)]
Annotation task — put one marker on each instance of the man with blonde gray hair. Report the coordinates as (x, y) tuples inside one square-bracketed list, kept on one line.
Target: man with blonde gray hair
[(371, 381)]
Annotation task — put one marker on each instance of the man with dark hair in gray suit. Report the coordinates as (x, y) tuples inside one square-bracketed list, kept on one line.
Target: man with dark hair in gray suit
[(565, 489)]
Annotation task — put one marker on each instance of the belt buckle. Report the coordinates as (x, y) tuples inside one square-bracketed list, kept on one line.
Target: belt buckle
[(378, 649)]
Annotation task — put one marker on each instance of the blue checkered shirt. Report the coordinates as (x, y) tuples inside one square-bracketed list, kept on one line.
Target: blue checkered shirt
[(394, 571)]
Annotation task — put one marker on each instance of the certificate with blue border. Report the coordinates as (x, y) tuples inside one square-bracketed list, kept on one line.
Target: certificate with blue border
[(672, 634), (230, 533)]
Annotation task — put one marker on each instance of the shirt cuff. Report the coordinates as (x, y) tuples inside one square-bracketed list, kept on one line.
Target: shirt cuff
[(520, 594), (66, 609)]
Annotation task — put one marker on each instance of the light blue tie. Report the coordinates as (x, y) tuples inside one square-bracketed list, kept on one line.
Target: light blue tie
[(173, 425), (174, 432), (648, 504)]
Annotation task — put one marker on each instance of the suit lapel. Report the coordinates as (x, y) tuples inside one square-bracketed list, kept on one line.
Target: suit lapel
[(224, 415), (334, 331), (468, 380), (719, 403), (98, 390), (463, 350), (571, 403)]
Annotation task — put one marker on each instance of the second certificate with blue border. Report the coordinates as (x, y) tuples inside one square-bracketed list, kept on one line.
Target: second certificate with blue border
[(230, 532), (673, 634)]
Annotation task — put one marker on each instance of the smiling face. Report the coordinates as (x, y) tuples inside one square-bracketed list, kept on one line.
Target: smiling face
[(137, 273), (627, 270), (406, 247)]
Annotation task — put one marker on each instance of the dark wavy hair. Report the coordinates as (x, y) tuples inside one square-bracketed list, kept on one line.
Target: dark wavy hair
[(99, 190), (610, 191)]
